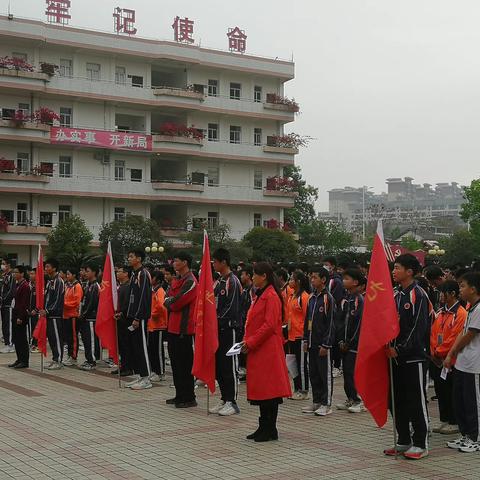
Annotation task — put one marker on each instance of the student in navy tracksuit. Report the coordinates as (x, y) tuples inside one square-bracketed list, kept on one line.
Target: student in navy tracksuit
[(409, 356), (7, 291), (318, 338), (228, 291), (349, 319), (88, 317)]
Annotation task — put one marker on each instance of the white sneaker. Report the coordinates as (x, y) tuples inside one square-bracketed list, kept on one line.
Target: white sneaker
[(415, 453), (133, 382), (217, 407), (459, 442), (69, 362), (87, 366), (311, 408), (470, 446), (297, 396), (345, 405), (54, 366), (448, 429), (229, 408), (357, 407), (323, 411), (155, 377), (8, 349), (337, 372), (143, 384)]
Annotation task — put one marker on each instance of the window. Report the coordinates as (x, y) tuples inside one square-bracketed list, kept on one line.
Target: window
[(257, 136), (65, 167), (257, 94), (8, 113), (121, 75), (235, 91), (257, 219), (257, 179), (64, 212), (25, 108), (119, 169), (213, 176), (22, 56), (8, 215), (213, 132), (46, 219), (213, 88), (235, 134), (22, 213), (93, 71), (136, 81), (136, 174), (23, 162), (13, 259), (212, 220), (119, 214), (66, 67), (65, 117)]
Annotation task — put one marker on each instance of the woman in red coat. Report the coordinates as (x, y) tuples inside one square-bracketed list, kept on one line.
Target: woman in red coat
[(267, 375)]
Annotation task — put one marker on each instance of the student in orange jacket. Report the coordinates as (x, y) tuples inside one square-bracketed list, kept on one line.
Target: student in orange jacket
[(296, 304), (71, 311), (157, 328), (448, 324)]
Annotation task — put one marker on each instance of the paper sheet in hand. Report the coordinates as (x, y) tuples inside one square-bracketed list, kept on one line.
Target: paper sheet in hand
[(292, 365), (235, 350), (444, 373)]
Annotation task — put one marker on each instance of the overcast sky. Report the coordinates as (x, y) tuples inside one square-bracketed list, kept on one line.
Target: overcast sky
[(388, 88)]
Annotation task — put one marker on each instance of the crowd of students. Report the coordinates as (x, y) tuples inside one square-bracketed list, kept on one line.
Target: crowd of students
[(319, 321)]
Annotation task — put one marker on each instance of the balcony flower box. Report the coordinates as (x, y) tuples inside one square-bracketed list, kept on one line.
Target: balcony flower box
[(180, 130), (49, 69), (277, 102), (7, 165), (14, 63), (179, 92), (45, 116), (182, 186)]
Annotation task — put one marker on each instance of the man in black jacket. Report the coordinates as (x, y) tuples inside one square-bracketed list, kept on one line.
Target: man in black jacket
[(7, 292)]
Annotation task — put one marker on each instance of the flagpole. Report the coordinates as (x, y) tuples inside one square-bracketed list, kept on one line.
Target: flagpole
[(208, 400), (392, 395), (41, 362), (118, 354)]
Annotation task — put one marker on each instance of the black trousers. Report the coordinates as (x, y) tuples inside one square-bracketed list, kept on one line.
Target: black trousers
[(156, 351), (336, 356), (7, 327), (466, 391), (20, 338), (70, 336), (138, 347), (321, 376), (55, 337), (123, 333), (444, 392), (349, 359), (32, 323), (300, 382), (410, 386), (226, 367), (90, 341), (180, 351)]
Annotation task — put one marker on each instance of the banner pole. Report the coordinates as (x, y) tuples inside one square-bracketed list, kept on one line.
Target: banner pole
[(208, 401), (118, 355), (41, 362), (392, 396)]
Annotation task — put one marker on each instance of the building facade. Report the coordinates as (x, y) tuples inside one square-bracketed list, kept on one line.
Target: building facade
[(119, 145)]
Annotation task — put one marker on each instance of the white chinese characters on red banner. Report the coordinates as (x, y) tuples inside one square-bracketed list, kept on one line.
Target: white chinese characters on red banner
[(124, 21), (183, 29), (237, 40), (58, 11), (101, 138)]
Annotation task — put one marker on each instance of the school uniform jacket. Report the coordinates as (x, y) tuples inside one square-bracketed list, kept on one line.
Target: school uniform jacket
[(349, 319), (7, 291), (73, 298), (140, 295), (158, 320), (54, 297), (228, 293), (21, 303), (90, 302), (319, 325), (296, 311), (180, 303)]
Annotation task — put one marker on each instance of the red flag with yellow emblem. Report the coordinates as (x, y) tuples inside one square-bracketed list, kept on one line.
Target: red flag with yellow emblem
[(379, 326), (206, 329)]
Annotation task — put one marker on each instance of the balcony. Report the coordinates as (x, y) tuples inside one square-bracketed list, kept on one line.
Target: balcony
[(279, 103), (29, 229), (185, 186), (24, 177), (6, 72), (177, 139), (195, 92)]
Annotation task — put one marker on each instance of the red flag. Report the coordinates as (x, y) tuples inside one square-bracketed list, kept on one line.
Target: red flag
[(40, 331), (206, 329), (106, 325), (379, 326)]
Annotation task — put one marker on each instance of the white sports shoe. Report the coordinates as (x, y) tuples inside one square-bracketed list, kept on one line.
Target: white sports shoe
[(459, 442), (229, 408), (323, 411), (345, 405), (133, 382), (8, 349), (143, 384), (69, 362), (337, 372), (357, 407), (217, 407), (311, 408), (415, 453), (54, 366), (154, 377), (470, 446)]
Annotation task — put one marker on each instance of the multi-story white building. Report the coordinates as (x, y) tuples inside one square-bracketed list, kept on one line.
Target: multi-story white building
[(108, 85)]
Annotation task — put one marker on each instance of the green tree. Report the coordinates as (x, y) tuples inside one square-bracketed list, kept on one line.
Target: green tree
[(271, 245), (69, 241), (303, 210), (135, 232), (460, 249), (411, 243), (470, 211)]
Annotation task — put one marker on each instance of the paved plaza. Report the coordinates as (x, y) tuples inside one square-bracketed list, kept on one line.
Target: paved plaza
[(71, 424)]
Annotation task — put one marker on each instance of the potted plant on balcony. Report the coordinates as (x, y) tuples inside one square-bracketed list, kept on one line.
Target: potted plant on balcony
[(15, 63), (172, 129), (283, 184), (7, 166), (45, 115), (48, 68), (290, 140), (20, 118), (272, 224), (291, 104), (45, 169)]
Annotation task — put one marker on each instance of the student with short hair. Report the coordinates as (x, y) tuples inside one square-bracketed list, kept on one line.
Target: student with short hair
[(7, 292), (466, 378)]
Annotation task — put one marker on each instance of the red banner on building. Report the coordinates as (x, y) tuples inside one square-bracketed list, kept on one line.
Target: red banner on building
[(101, 139)]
